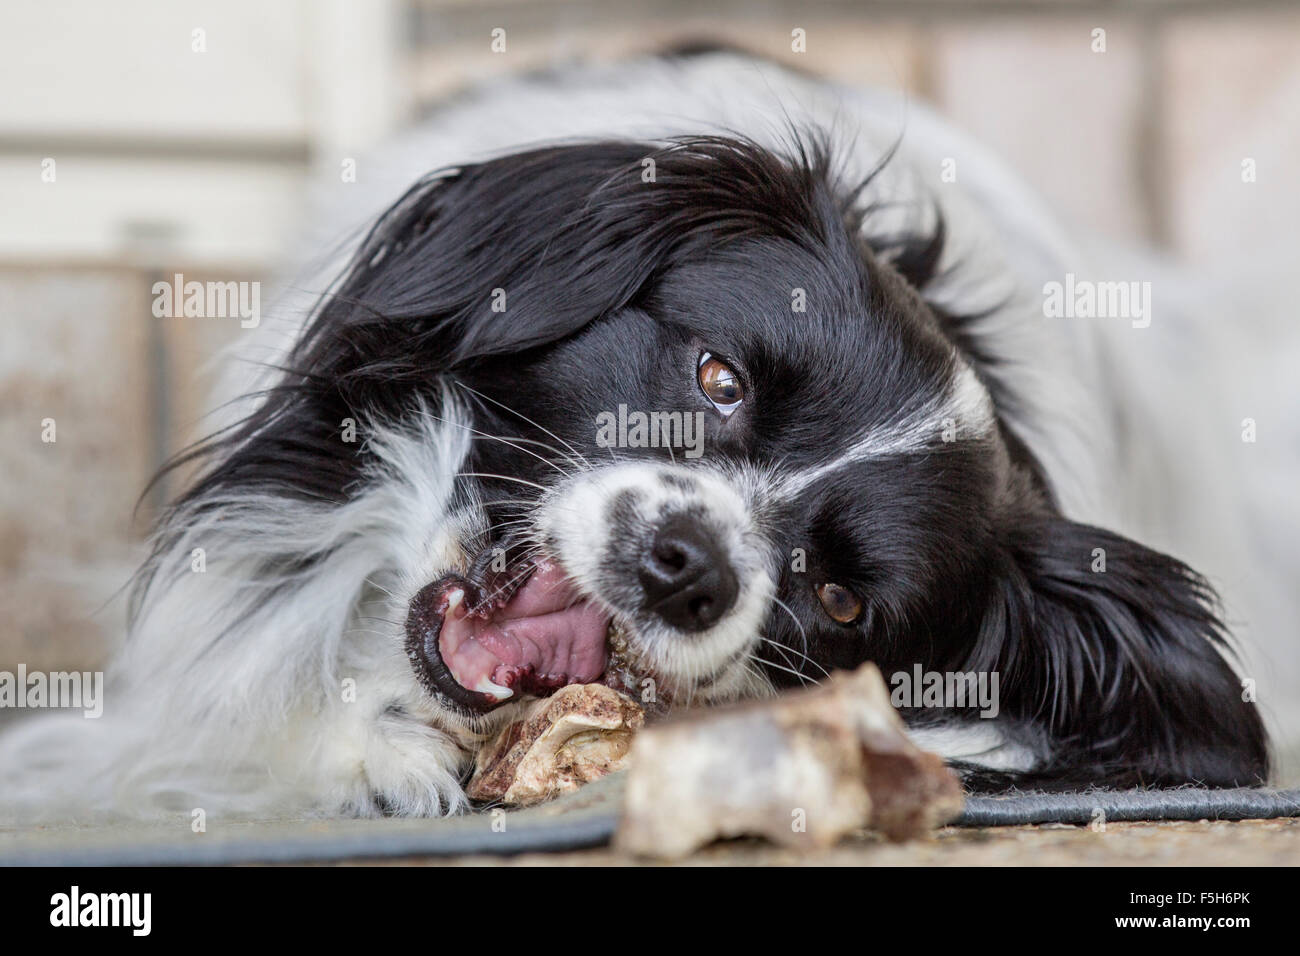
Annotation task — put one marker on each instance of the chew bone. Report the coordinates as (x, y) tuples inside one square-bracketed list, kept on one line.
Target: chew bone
[(801, 770), (576, 735)]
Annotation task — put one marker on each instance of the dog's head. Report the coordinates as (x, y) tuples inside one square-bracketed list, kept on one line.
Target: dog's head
[(714, 425), (707, 417)]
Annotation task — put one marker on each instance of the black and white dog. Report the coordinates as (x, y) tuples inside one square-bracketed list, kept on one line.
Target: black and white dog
[(683, 351)]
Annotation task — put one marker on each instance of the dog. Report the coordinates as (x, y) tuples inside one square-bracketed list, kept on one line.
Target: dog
[(693, 353)]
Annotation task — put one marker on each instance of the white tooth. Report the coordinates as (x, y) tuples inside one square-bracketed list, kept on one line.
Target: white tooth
[(454, 599), (485, 686)]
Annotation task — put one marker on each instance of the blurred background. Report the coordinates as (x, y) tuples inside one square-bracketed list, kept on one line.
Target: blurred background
[(143, 138)]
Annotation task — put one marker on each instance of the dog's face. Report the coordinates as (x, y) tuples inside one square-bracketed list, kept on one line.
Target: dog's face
[(720, 443), (816, 463)]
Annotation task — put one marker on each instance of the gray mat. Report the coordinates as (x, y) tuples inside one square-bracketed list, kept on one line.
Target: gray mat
[(1183, 803)]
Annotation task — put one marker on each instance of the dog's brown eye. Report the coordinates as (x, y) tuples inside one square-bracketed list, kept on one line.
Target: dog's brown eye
[(840, 603), (720, 384)]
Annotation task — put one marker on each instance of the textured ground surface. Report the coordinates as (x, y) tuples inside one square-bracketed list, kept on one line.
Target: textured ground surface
[(588, 816), (1203, 843), (1200, 843)]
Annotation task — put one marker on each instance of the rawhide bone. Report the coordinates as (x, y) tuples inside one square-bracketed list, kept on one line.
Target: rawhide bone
[(578, 734), (802, 770)]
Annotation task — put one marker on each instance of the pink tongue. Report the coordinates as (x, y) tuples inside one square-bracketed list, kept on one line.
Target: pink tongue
[(540, 640)]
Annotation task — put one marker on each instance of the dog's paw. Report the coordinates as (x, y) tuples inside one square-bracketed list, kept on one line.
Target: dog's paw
[(406, 768)]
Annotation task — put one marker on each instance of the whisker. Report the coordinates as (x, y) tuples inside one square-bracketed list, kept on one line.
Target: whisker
[(812, 661), (752, 668), (527, 556), (511, 522), (803, 678), (794, 673), (802, 633), (483, 474), (366, 630), (507, 441), (379, 587), (512, 411)]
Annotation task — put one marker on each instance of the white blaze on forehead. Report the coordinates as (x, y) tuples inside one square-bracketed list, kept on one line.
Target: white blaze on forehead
[(964, 411)]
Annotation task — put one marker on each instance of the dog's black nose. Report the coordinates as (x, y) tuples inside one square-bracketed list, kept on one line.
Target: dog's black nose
[(686, 576)]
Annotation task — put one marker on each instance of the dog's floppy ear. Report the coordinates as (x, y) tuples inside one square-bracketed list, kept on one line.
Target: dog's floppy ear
[(1116, 651), (502, 256), (487, 259), (491, 258)]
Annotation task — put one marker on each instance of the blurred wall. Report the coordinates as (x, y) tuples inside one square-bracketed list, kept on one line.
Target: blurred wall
[(143, 138)]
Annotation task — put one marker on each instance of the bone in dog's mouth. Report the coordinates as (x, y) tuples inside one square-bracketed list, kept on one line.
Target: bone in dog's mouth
[(525, 633)]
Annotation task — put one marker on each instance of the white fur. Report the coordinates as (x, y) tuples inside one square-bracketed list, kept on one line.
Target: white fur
[(230, 695), (572, 520), (965, 408), (981, 744)]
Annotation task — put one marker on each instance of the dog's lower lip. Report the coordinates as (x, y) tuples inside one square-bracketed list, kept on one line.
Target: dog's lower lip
[(423, 625), (479, 654)]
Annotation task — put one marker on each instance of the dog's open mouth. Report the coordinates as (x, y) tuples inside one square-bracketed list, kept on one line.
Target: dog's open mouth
[(526, 634)]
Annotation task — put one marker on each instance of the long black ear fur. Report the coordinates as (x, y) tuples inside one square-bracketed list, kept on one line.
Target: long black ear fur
[(1123, 668), (494, 259)]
